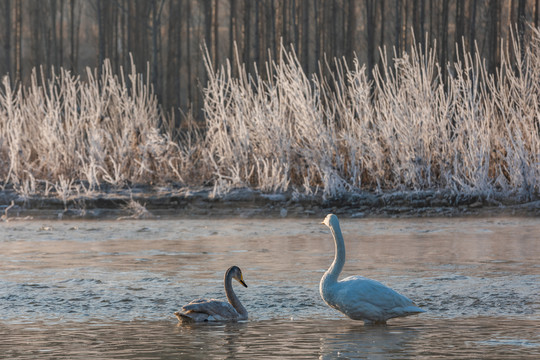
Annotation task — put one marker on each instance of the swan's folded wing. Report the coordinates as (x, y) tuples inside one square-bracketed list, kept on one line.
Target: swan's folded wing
[(370, 296), (217, 309)]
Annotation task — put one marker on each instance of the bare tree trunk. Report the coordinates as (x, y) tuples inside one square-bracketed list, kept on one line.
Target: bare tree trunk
[(139, 16), (7, 44), (256, 42), (422, 34), (36, 32), (113, 26), (52, 50), (129, 47), (77, 40), (215, 27), (61, 35), (460, 22), (493, 35), (247, 33), (74, 23), (122, 33), (171, 94), (277, 34), (72, 35), (269, 30), (521, 26), (207, 13), (444, 31), (472, 27), (370, 21), (382, 10), (432, 30), (295, 24), (350, 32), (18, 41), (328, 30), (335, 21), (405, 25), (536, 15), (101, 35), (156, 13), (232, 29), (285, 21), (418, 20), (188, 50), (397, 41), (262, 25), (305, 35), (318, 33), (415, 22)]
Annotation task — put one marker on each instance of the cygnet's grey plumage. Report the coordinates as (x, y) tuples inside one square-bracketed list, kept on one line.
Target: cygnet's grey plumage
[(202, 310)]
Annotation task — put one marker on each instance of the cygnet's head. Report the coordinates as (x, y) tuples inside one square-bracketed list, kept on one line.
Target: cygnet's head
[(237, 274)]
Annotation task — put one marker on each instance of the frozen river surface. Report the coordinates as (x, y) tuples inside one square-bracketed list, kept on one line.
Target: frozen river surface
[(108, 289)]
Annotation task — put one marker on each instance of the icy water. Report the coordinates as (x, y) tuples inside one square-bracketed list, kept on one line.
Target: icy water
[(108, 289)]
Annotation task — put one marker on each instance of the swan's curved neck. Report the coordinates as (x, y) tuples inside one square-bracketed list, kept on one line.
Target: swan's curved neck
[(339, 259), (231, 296)]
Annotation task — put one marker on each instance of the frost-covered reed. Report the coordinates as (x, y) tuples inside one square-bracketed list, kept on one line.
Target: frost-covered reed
[(68, 136), (406, 130)]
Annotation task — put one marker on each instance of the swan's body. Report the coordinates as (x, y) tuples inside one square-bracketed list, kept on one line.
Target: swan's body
[(202, 310), (358, 297)]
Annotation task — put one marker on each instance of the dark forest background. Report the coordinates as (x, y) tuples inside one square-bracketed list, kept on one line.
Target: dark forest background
[(164, 37)]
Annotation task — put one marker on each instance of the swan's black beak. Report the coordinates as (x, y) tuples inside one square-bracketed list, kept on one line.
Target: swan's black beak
[(241, 281)]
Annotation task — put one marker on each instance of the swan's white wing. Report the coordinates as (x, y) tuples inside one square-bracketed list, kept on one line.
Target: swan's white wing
[(366, 299), (215, 309)]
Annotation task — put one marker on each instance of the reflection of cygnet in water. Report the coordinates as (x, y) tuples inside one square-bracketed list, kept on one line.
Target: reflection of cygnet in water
[(202, 310), (358, 297)]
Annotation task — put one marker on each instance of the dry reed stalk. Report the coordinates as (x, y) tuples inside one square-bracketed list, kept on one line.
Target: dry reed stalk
[(405, 130)]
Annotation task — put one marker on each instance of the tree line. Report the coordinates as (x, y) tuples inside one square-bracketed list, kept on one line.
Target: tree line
[(164, 38)]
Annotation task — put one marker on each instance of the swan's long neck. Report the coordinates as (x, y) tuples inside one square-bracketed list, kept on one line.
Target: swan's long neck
[(339, 259), (231, 296)]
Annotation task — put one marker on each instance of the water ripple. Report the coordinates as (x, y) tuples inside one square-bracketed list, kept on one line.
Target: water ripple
[(115, 293)]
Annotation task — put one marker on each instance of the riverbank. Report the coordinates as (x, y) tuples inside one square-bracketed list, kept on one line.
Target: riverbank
[(149, 202)]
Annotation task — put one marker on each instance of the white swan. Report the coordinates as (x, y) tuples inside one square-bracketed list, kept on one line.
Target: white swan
[(358, 297), (202, 310)]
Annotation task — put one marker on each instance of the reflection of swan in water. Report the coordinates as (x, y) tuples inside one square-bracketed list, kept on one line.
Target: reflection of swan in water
[(358, 297), (375, 342), (202, 310)]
